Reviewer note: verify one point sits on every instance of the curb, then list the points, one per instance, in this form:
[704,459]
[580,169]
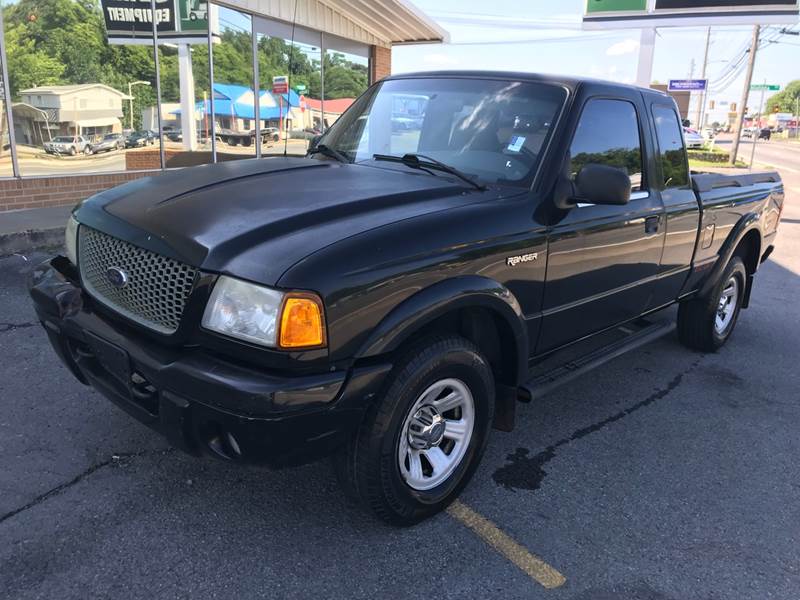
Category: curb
[21,242]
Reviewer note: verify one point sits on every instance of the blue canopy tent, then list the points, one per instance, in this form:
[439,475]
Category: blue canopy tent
[227,103]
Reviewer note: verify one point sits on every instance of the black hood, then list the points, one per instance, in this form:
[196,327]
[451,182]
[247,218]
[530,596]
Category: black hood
[255,218]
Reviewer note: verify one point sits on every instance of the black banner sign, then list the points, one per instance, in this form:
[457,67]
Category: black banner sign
[134,18]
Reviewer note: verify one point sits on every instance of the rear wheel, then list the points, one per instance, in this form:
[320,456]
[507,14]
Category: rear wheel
[706,323]
[421,442]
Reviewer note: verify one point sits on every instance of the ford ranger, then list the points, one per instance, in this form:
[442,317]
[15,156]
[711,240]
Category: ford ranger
[389,298]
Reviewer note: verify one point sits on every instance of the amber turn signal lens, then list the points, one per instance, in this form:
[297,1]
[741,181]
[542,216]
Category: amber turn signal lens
[301,323]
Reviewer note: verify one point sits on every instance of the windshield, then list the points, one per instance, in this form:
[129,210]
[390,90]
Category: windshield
[63,139]
[492,130]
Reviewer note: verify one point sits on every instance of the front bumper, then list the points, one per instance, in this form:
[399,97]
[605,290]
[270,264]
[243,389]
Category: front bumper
[204,404]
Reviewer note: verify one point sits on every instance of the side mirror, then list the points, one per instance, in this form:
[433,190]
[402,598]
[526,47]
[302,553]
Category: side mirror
[314,141]
[602,184]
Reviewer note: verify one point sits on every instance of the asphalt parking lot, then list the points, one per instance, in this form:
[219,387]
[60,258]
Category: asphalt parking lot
[665,475]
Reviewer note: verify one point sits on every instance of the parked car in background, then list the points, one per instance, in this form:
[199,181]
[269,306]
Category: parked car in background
[749,132]
[139,139]
[693,139]
[68,144]
[708,133]
[109,142]
[765,133]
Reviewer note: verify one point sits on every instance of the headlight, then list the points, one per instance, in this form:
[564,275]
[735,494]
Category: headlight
[264,316]
[71,240]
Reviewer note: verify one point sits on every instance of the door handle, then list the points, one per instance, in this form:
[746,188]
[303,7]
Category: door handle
[651,224]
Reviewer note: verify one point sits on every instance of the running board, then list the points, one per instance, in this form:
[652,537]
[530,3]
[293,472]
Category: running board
[542,384]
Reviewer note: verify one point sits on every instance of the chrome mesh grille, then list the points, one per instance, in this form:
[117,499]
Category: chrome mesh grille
[157,287]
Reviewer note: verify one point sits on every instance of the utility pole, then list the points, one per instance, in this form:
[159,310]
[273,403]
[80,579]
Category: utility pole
[701,109]
[745,93]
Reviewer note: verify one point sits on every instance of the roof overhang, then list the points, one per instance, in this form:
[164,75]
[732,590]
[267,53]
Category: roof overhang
[378,22]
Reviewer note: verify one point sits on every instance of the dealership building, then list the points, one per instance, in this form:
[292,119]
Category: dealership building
[204,94]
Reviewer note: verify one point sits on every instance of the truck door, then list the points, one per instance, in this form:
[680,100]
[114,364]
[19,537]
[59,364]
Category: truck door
[682,210]
[602,260]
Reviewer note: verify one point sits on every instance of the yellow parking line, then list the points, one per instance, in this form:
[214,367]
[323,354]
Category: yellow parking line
[533,566]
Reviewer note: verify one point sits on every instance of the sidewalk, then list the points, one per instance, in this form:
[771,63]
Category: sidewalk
[24,230]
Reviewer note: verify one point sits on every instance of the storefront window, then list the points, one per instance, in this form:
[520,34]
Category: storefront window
[187,140]
[287,115]
[83,104]
[346,78]
[72,92]
[6,163]
[234,96]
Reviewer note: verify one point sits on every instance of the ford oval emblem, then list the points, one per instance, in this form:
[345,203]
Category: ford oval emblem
[117,277]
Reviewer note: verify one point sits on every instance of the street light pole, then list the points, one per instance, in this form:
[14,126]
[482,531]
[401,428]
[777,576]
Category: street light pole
[701,109]
[130,97]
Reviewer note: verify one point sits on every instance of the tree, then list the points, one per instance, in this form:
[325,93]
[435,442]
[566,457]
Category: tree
[786,100]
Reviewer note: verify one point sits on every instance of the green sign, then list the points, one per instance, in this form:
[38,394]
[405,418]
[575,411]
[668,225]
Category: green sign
[300,87]
[595,6]
[765,87]
[194,15]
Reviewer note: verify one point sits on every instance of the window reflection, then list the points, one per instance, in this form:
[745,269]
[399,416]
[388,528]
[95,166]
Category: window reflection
[288,116]
[82,105]
[234,94]
[346,78]
[70,90]
[671,147]
[608,134]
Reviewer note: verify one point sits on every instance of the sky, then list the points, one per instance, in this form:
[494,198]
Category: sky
[546,37]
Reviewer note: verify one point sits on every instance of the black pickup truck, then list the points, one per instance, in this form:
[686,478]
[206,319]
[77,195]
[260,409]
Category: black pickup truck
[390,297]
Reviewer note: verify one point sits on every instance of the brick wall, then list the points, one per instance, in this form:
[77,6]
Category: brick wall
[380,63]
[38,192]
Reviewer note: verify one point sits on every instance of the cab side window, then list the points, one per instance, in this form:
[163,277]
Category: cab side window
[608,134]
[672,152]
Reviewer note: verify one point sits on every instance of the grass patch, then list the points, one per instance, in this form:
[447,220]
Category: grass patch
[695,164]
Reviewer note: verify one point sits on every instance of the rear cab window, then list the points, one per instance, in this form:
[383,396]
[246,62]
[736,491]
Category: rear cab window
[671,149]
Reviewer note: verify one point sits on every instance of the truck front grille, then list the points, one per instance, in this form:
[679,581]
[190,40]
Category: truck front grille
[144,286]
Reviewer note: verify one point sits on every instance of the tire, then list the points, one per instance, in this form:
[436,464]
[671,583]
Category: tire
[72,151]
[703,323]
[87,150]
[375,467]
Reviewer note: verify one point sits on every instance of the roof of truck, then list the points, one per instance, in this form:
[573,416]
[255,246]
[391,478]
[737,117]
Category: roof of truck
[569,82]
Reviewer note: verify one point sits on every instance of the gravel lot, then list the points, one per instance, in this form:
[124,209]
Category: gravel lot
[664,475]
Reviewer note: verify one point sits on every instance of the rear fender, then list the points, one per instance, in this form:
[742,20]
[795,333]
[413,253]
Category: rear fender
[424,307]
[748,223]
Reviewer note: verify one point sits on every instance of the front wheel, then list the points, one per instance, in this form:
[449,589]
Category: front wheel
[423,439]
[706,323]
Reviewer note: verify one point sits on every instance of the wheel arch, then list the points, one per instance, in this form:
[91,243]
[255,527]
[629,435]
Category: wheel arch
[478,308]
[744,240]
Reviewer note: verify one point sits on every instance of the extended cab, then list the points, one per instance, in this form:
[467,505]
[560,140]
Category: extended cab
[390,297]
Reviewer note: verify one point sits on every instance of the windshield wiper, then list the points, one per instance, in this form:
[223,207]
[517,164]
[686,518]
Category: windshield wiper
[328,151]
[421,161]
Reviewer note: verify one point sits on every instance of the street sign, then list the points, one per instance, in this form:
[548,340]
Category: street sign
[280,84]
[765,87]
[687,85]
